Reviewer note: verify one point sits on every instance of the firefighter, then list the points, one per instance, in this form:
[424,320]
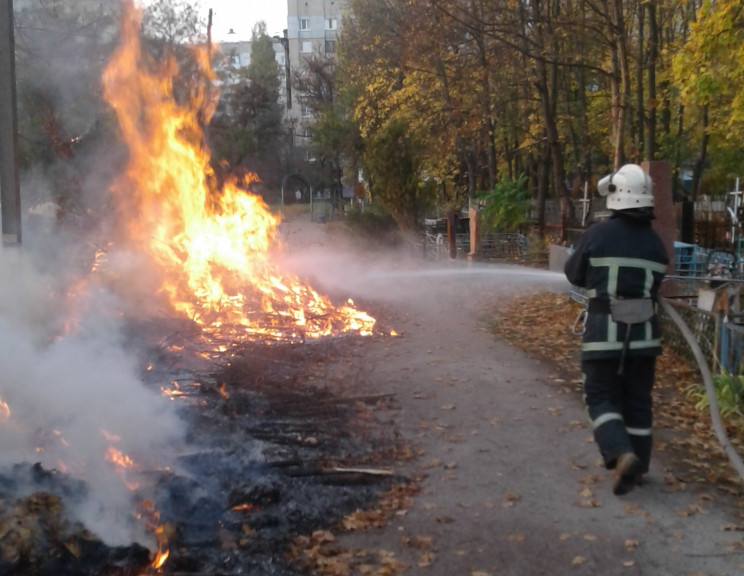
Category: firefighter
[621,262]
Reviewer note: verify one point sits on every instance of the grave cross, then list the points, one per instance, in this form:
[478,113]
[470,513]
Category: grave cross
[737,194]
[585,201]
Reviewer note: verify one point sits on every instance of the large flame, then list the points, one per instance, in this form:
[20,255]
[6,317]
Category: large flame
[212,246]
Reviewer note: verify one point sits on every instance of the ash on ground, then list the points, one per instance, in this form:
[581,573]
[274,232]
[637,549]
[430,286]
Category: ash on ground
[277,447]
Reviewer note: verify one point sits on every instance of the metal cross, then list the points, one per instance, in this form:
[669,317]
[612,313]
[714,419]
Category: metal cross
[585,201]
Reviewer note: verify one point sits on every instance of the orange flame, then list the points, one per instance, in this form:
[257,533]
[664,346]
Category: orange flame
[122,463]
[160,557]
[212,246]
[151,518]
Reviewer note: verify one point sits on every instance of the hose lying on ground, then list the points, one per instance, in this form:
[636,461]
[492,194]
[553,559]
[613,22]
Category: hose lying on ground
[715,415]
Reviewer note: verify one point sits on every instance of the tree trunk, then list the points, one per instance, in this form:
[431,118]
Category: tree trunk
[653,47]
[640,123]
[619,76]
[697,172]
[543,87]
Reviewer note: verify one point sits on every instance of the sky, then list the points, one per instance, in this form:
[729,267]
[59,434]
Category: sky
[242,15]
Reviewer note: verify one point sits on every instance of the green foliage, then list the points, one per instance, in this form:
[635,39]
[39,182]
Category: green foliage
[263,70]
[394,160]
[372,223]
[173,22]
[506,205]
[247,130]
[729,395]
[709,72]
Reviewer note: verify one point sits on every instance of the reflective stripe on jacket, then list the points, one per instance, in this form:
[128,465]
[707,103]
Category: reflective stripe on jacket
[619,258]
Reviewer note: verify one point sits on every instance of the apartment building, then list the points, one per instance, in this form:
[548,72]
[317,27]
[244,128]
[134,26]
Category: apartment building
[312,28]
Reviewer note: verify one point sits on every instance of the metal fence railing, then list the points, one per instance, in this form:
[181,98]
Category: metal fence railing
[721,337]
[497,246]
[504,246]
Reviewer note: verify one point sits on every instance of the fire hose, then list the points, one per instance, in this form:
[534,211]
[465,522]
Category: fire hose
[715,415]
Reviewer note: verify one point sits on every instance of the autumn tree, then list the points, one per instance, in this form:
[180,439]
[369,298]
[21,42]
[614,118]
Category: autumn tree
[562,91]
[172,31]
[709,70]
[394,162]
[334,142]
[60,53]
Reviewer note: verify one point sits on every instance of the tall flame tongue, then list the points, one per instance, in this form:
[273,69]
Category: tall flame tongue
[211,245]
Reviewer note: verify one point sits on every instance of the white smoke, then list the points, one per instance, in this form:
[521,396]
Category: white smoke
[72,396]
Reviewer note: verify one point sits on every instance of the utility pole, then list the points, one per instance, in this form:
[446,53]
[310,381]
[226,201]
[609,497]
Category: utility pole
[284,41]
[10,188]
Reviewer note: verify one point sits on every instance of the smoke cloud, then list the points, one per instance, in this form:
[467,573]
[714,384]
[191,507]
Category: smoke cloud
[70,397]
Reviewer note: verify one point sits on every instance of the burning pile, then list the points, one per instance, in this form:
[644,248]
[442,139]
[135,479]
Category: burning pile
[211,246]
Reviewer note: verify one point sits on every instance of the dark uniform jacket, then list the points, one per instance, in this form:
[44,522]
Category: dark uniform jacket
[619,258]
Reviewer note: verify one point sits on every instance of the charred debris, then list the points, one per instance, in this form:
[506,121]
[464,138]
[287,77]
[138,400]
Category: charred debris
[280,443]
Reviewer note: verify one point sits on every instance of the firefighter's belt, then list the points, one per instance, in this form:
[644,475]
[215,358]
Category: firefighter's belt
[625,310]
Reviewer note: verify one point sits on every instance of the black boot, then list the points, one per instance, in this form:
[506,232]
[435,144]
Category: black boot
[627,468]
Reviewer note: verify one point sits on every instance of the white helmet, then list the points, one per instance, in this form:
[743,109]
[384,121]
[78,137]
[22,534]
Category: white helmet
[629,187]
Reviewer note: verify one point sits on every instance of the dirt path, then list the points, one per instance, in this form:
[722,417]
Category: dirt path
[510,478]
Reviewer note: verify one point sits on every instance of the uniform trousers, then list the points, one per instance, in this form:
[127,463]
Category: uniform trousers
[620,406]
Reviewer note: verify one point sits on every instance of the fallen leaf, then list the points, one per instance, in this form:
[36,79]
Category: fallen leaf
[426,559]
[691,510]
[732,527]
[516,538]
[420,542]
[322,537]
[586,492]
[634,509]
[631,544]
[578,561]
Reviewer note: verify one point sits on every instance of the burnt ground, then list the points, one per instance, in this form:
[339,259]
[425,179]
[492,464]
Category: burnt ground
[277,446]
[486,383]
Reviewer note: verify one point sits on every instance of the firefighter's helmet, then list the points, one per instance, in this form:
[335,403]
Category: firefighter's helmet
[629,187]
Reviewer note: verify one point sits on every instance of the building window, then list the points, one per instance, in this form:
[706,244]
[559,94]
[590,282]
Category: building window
[331,24]
[306,47]
[307,112]
[305,24]
[330,45]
